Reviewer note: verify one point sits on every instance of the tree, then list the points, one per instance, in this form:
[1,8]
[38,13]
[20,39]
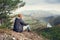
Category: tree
[5,10]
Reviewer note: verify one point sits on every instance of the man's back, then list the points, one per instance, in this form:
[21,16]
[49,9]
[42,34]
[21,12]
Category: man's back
[18,27]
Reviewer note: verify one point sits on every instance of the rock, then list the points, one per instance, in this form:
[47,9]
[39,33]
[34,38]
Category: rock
[11,35]
[5,36]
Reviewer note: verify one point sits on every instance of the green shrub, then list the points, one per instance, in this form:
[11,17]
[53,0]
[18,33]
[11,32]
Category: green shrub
[50,33]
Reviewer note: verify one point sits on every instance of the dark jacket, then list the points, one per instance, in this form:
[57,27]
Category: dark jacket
[18,25]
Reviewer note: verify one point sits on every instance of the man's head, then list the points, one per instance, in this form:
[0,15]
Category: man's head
[20,15]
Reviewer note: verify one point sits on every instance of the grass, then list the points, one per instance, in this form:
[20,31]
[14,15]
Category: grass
[49,33]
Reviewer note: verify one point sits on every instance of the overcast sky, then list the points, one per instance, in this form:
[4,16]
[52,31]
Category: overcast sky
[38,2]
[40,5]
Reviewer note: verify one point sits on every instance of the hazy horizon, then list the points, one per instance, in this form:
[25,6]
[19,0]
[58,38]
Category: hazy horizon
[45,5]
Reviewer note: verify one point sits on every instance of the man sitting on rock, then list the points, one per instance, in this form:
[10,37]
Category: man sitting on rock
[20,25]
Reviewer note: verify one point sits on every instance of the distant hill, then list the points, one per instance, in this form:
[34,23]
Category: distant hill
[56,20]
[40,15]
[36,13]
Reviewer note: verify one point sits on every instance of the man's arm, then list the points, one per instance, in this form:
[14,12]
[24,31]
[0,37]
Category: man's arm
[23,23]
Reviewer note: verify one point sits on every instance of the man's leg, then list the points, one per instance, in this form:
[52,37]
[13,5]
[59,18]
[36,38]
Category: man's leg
[28,28]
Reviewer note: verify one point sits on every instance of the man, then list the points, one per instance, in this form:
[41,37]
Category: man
[19,24]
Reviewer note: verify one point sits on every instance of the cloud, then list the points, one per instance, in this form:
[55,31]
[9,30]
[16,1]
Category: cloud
[39,7]
[34,2]
[53,1]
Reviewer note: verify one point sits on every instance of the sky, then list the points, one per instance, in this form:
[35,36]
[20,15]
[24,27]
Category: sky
[38,2]
[40,5]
